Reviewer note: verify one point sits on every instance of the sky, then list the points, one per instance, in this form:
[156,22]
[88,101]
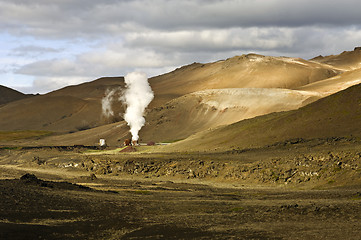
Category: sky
[49,44]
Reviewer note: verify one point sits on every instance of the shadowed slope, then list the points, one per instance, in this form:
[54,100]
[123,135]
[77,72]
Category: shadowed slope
[9,95]
[61,114]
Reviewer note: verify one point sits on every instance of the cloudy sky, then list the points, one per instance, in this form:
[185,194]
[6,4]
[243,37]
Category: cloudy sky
[48,44]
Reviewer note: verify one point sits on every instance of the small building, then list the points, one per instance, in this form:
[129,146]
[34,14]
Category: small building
[102,143]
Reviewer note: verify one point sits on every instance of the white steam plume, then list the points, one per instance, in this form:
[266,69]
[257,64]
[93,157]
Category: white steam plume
[137,95]
[107,103]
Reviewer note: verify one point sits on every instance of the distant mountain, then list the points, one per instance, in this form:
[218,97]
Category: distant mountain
[338,115]
[9,95]
[58,113]
[69,109]
[347,60]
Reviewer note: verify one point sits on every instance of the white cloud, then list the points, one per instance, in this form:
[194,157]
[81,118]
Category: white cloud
[112,61]
[213,39]
[32,50]
[46,84]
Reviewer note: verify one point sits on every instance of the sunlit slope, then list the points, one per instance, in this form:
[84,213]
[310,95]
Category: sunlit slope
[201,110]
[334,84]
[347,60]
[334,116]
[246,71]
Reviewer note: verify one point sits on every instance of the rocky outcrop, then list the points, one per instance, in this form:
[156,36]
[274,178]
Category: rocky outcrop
[323,168]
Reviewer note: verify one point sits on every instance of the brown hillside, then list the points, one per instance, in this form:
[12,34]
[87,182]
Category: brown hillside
[113,133]
[93,90]
[238,72]
[69,109]
[62,114]
[335,84]
[246,71]
[334,116]
[194,112]
[9,95]
[348,60]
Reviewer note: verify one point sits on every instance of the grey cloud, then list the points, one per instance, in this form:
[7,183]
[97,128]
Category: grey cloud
[32,50]
[213,40]
[151,51]
[52,67]
[87,18]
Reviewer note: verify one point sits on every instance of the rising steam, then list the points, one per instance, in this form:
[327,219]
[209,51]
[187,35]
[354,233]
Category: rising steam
[137,95]
[107,103]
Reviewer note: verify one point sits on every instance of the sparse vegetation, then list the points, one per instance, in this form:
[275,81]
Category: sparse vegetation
[237,209]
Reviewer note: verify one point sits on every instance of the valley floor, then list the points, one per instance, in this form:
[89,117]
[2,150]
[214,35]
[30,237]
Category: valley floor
[294,190]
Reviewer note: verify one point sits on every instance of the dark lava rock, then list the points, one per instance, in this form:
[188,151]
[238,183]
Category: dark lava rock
[28,177]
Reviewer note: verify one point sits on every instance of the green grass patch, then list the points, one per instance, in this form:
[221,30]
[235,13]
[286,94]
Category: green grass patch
[26,134]
[237,209]
[140,192]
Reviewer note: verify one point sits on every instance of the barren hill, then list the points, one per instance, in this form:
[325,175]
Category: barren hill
[334,84]
[347,60]
[338,115]
[198,111]
[70,109]
[93,90]
[62,114]
[246,71]
[9,95]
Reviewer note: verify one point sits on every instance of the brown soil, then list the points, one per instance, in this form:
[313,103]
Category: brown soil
[291,190]
[128,149]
